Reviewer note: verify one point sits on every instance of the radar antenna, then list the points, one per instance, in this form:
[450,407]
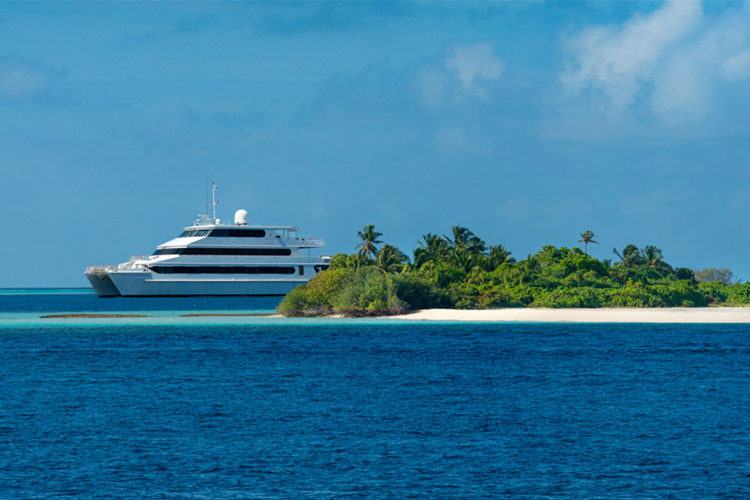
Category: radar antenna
[214,203]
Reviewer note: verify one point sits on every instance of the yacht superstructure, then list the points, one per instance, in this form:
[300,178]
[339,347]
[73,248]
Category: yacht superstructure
[211,258]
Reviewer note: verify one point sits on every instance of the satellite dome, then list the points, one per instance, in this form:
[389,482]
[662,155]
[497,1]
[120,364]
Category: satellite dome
[240,218]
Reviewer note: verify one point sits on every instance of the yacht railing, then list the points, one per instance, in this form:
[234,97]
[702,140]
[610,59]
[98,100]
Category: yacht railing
[100,269]
[131,263]
[312,242]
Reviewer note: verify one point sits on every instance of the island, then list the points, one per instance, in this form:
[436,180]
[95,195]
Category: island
[460,271]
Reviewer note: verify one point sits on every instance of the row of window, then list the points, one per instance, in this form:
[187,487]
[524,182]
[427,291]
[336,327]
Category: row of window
[231,233]
[201,232]
[222,251]
[221,270]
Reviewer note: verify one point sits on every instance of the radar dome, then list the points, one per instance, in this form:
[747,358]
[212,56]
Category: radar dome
[240,218]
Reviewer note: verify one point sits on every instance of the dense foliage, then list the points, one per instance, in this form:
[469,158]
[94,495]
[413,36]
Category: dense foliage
[461,271]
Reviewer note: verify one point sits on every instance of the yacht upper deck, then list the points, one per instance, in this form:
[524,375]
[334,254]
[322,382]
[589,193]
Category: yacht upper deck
[245,236]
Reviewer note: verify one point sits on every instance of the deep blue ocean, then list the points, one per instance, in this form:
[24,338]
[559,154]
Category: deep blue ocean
[176,407]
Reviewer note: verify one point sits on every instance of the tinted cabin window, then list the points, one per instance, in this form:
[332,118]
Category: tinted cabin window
[239,233]
[231,233]
[194,233]
[222,270]
[222,251]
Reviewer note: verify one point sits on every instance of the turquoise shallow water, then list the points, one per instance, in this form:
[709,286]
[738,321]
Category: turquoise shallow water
[279,409]
[78,300]
[27,308]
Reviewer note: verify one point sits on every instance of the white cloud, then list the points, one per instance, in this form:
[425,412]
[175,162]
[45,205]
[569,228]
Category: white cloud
[737,67]
[463,71]
[616,61]
[670,64]
[22,78]
[680,91]
[474,64]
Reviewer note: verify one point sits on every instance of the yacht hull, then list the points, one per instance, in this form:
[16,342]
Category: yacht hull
[139,284]
[103,285]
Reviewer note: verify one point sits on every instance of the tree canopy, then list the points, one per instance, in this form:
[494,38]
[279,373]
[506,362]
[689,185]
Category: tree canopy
[460,270]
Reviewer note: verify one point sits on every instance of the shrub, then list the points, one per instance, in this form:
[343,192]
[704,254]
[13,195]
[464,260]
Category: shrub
[738,294]
[442,274]
[418,292]
[315,297]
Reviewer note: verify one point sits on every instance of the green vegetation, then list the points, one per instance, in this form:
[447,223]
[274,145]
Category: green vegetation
[460,270]
[722,275]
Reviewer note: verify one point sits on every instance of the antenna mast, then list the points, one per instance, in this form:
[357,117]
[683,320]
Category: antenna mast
[214,203]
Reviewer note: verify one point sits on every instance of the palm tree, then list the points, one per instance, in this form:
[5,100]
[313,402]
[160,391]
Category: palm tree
[653,258]
[432,248]
[532,264]
[498,255]
[369,236]
[390,259]
[586,238]
[464,238]
[630,256]
[463,258]
[465,247]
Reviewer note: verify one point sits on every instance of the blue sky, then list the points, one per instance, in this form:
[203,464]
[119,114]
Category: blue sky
[528,122]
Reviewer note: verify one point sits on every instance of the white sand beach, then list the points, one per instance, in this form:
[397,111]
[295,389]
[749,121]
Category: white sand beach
[604,315]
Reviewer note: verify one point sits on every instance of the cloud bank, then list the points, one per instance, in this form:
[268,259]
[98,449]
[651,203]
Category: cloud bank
[669,63]
[618,60]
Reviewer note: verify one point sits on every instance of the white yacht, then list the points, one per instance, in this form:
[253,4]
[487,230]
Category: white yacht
[211,258]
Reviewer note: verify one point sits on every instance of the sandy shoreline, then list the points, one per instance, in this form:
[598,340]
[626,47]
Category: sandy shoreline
[736,315]
[604,315]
